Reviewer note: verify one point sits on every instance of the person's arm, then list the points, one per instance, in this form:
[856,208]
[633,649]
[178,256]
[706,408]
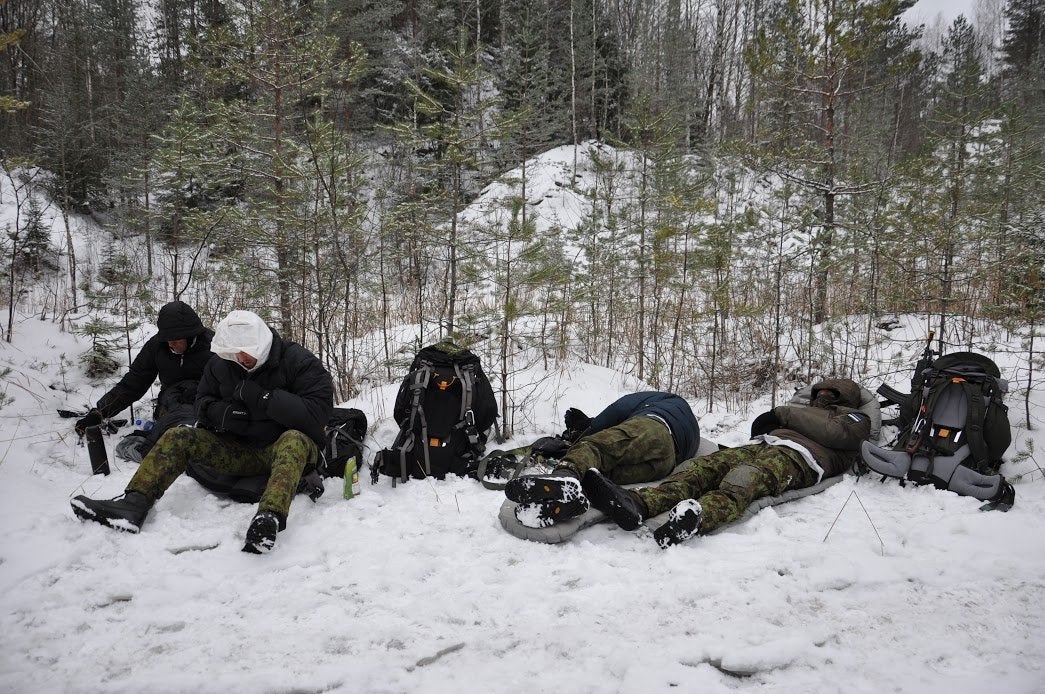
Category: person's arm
[837,427]
[305,404]
[135,382]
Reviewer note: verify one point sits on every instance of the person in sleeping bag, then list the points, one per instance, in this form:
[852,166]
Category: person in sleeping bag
[640,437]
[261,408]
[792,447]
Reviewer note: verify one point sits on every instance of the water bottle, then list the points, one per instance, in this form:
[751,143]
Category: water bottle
[144,425]
[96,450]
[352,487]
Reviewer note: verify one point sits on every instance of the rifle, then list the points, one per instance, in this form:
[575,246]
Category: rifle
[895,397]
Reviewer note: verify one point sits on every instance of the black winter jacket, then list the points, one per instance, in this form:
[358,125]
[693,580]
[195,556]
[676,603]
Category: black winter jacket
[669,407]
[176,320]
[302,394]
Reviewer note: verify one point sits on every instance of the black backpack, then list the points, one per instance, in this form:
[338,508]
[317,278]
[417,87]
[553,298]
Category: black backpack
[345,432]
[955,401]
[444,408]
[954,429]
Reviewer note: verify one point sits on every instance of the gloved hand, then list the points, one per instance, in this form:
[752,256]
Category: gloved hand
[765,423]
[252,395]
[228,416]
[576,420]
[92,419]
[550,447]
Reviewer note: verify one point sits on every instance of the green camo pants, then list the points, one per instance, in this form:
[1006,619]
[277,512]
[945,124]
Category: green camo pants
[283,461]
[727,481]
[639,449]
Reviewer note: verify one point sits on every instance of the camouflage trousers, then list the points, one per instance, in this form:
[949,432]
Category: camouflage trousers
[727,481]
[283,461]
[639,449]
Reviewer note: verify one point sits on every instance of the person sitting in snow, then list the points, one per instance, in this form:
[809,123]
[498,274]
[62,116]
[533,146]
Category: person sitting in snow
[792,447]
[638,438]
[261,408]
[176,354]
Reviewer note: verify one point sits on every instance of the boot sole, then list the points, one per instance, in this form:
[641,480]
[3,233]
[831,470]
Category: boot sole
[683,523]
[541,514]
[259,541]
[533,488]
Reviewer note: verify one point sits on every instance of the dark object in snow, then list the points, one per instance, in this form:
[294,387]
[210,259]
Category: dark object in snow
[261,534]
[955,429]
[96,450]
[126,512]
[445,407]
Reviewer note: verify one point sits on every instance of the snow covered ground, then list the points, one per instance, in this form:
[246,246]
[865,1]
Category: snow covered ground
[418,588]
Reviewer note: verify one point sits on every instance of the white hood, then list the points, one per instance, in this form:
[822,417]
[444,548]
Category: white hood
[242,331]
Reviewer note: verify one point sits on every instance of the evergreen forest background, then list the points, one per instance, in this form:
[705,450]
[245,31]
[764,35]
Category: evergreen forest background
[766,183]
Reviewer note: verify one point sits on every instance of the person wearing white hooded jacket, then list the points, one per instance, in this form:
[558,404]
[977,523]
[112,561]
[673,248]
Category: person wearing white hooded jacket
[261,408]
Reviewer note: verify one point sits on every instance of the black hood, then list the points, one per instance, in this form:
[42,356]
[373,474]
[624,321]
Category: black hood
[848,391]
[176,321]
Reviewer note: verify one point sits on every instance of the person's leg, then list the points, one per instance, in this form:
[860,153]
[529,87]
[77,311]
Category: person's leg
[158,470]
[771,472]
[700,476]
[628,508]
[171,455]
[289,455]
[637,450]
[760,471]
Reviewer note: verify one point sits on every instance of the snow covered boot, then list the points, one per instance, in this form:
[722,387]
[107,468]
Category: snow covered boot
[126,512]
[546,499]
[623,506]
[683,523]
[261,535]
[561,485]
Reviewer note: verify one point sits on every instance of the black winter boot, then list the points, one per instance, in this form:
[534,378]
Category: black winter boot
[683,523]
[561,485]
[126,512]
[547,499]
[623,506]
[261,535]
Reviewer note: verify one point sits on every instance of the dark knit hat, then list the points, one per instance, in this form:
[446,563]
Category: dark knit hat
[178,321]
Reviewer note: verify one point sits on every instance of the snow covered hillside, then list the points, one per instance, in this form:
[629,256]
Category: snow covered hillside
[418,588]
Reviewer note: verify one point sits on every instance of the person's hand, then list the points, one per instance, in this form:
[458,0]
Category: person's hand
[765,423]
[228,416]
[576,420]
[252,395]
[92,419]
[550,447]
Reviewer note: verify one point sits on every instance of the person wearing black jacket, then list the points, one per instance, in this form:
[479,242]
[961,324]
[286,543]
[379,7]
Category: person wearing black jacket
[176,354]
[262,406]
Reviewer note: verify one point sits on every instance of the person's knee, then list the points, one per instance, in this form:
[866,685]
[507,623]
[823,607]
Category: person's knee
[300,444]
[741,479]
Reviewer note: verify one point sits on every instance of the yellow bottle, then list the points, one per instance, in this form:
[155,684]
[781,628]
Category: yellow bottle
[352,487]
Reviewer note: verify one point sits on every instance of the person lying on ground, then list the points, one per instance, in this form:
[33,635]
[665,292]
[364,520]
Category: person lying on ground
[640,437]
[792,447]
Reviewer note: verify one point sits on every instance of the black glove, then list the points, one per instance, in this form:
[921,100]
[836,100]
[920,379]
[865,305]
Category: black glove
[252,395]
[92,419]
[765,423]
[550,447]
[227,416]
[576,420]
